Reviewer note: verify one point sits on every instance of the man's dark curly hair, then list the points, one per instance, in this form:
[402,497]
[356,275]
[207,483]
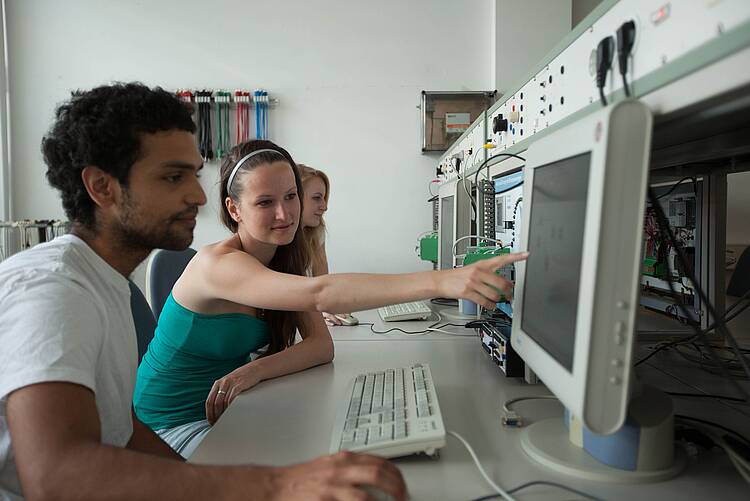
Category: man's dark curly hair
[103,127]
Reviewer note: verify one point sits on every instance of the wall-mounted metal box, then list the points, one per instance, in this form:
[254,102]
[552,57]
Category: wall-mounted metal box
[446,115]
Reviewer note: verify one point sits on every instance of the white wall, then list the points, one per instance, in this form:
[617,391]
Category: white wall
[524,31]
[348,75]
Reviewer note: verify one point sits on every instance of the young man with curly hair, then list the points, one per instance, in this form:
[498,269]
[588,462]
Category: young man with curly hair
[125,161]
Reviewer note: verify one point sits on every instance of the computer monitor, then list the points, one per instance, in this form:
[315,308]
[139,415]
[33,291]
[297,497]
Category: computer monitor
[576,295]
[454,220]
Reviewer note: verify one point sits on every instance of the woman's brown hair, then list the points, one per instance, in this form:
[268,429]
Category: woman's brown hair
[293,258]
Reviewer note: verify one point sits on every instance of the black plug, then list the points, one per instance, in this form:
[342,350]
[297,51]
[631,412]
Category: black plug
[604,55]
[625,41]
[499,124]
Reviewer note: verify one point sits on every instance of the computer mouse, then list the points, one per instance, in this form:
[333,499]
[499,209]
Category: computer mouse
[347,319]
[376,494]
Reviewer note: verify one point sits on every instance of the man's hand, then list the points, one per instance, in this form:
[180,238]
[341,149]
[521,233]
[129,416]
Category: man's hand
[337,478]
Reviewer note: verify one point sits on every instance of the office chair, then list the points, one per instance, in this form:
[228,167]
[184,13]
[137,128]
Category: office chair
[142,318]
[163,269]
[740,282]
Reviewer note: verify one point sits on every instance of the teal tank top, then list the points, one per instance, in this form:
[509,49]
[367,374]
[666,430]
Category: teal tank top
[189,352]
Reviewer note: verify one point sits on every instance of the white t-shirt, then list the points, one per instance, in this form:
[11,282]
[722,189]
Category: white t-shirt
[65,316]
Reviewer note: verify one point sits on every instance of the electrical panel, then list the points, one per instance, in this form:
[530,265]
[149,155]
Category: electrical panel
[466,153]
[682,205]
[447,115]
[656,33]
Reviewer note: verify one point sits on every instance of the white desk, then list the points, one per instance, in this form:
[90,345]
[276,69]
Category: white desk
[290,419]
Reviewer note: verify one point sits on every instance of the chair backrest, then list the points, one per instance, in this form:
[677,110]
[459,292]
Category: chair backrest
[163,269]
[143,319]
[740,282]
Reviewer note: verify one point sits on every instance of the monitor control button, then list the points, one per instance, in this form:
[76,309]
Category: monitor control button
[616,362]
[615,380]
[622,305]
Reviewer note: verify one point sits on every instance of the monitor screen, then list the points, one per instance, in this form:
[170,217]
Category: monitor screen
[446,233]
[555,244]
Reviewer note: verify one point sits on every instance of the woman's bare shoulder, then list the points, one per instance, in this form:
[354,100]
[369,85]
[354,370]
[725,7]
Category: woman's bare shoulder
[217,250]
[201,270]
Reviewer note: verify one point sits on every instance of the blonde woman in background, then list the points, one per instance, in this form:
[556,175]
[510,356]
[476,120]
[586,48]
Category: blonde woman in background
[317,189]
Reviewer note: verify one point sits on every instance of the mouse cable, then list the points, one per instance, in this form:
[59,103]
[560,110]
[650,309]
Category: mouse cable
[507,494]
[541,482]
[502,493]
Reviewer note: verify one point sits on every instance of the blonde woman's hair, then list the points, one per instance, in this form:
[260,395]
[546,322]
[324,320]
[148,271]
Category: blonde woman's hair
[315,236]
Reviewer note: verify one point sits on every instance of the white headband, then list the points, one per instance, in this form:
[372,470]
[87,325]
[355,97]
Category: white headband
[242,161]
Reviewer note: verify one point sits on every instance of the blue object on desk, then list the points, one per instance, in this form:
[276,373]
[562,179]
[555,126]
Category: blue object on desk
[467,307]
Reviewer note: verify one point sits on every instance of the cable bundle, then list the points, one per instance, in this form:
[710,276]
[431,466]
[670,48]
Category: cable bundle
[243,100]
[242,115]
[185,95]
[205,135]
[223,143]
[260,98]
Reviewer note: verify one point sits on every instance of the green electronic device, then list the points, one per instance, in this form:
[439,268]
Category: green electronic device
[474,254]
[428,248]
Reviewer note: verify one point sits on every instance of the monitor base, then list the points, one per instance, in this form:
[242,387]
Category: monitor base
[547,443]
[453,313]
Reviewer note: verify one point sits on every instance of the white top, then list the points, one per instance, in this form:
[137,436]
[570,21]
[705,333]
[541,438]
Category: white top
[65,316]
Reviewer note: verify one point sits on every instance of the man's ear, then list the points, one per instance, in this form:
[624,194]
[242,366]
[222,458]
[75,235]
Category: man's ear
[101,186]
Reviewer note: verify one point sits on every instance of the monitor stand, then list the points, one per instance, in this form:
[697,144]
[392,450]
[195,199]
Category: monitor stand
[455,314]
[644,446]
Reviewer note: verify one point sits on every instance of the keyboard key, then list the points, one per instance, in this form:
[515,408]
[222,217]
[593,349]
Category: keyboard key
[345,446]
[364,421]
[399,430]
[386,431]
[373,434]
[360,437]
[350,425]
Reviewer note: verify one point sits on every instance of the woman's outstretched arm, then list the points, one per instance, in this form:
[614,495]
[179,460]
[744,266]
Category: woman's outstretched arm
[240,278]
